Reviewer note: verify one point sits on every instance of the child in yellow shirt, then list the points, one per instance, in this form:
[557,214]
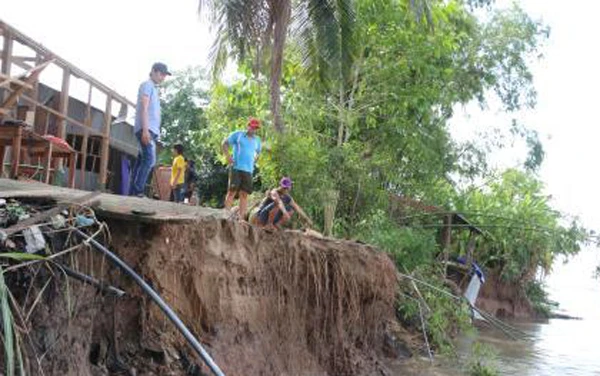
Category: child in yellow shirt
[178,173]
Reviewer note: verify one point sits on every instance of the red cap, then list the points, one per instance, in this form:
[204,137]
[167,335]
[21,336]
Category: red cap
[254,123]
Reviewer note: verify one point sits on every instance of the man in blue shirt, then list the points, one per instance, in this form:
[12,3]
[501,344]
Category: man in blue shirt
[246,149]
[147,127]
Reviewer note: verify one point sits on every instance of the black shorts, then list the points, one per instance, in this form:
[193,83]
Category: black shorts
[240,180]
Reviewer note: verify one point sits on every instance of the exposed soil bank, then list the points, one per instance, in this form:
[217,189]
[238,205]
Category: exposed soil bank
[504,300]
[262,304]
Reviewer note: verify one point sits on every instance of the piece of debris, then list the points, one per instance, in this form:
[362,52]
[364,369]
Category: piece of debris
[9,244]
[2,202]
[34,239]
[58,222]
[142,212]
[313,233]
[83,221]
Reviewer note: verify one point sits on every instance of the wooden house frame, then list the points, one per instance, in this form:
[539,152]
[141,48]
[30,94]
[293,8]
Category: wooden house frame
[96,134]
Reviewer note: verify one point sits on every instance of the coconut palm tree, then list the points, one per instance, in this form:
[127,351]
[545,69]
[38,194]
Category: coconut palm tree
[325,28]
[260,27]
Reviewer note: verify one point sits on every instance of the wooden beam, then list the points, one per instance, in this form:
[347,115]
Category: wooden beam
[471,248]
[24,58]
[33,76]
[84,147]
[72,161]
[446,239]
[52,111]
[23,61]
[36,88]
[104,148]
[88,110]
[16,153]
[7,53]
[47,163]
[7,80]
[63,106]
[6,58]
[40,49]
[2,151]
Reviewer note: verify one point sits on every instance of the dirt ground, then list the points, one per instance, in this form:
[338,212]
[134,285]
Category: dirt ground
[261,303]
[504,300]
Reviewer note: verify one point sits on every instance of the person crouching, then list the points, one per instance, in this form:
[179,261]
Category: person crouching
[278,207]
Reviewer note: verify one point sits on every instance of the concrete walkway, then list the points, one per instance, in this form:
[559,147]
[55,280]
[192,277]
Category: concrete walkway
[112,205]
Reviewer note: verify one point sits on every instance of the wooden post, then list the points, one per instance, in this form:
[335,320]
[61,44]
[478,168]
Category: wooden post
[88,109]
[7,52]
[16,153]
[84,147]
[2,151]
[447,239]
[470,248]
[35,92]
[64,104]
[72,159]
[104,148]
[84,143]
[48,163]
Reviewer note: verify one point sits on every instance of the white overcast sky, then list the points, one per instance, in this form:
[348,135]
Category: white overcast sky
[116,42]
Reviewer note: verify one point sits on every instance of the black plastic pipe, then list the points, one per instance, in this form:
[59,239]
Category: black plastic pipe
[92,281]
[158,300]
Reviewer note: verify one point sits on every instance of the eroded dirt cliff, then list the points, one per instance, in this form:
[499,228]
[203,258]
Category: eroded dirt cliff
[262,303]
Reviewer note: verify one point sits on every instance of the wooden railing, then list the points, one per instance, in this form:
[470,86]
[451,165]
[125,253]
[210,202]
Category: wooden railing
[24,87]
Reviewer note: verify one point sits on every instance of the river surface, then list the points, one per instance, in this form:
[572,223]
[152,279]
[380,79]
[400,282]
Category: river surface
[559,347]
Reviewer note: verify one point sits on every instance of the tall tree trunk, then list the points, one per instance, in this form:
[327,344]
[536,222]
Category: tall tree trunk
[341,114]
[281,11]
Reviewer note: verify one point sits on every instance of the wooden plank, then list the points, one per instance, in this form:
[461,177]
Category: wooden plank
[35,90]
[16,152]
[47,163]
[72,160]
[447,239]
[58,114]
[23,61]
[88,109]
[33,76]
[104,148]
[471,247]
[38,68]
[84,148]
[13,80]
[2,151]
[7,53]
[6,59]
[63,106]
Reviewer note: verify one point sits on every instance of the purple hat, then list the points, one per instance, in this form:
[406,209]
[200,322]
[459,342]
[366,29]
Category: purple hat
[285,182]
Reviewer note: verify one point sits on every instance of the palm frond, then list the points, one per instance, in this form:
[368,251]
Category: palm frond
[421,9]
[241,25]
[324,30]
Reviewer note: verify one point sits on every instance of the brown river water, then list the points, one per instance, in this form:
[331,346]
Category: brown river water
[559,347]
